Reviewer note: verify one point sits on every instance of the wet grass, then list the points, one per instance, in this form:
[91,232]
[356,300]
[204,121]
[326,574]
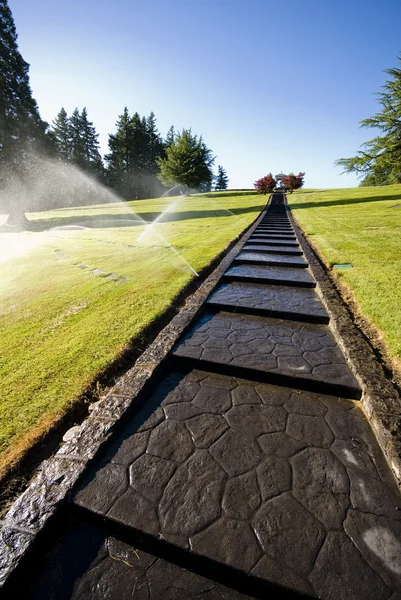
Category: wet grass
[73,300]
[361,226]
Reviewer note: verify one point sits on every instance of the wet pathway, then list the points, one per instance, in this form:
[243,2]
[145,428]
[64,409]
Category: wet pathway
[252,457]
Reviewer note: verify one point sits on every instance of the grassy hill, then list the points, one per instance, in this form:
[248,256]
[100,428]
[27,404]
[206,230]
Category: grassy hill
[81,286]
[362,227]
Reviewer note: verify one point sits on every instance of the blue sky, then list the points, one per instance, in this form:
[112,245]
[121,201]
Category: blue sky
[271,85]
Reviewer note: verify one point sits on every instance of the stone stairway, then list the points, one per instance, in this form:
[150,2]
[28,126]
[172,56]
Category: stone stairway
[251,470]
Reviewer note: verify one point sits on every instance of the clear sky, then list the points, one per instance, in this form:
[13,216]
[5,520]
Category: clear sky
[271,85]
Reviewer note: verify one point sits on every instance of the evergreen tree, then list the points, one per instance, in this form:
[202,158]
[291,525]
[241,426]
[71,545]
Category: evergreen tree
[221,179]
[60,133]
[155,146]
[170,138]
[92,159]
[76,143]
[188,162]
[77,139]
[118,159]
[21,129]
[135,149]
[83,143]
[154,150]
[138,152]
[380,160]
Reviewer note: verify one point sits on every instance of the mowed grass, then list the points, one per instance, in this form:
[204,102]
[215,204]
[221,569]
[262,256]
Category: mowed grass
[360,226]
[72,300]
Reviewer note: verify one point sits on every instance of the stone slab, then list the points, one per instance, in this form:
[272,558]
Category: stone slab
[270,274]
[270,229]
[281,249]
[275,217]
[277,235]
[261,239]
[273,347]
[274,224]
[276,260]
[295,302]
[88,564]
[261,488]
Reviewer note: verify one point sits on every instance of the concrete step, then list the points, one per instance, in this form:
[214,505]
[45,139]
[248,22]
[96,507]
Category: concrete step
[275,231]
[261,239]
[303,355]
[275,228]
[298,304]
[251,246]
[275,236]
[279,260]
[269,274]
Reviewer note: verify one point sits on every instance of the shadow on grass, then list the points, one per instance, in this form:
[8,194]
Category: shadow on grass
[107,220]
[344,201]
[228,193]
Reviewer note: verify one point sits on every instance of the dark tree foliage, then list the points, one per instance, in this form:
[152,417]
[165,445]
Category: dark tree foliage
[21,129]
[132,163]
[20,122]
[188,162]
[292,182]
[84,145]
[379,161]
[265,185]
[75,142]
[60,133]
[170,138]
[221,179]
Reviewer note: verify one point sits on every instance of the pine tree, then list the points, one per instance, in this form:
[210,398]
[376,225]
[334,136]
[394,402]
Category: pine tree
[154,150]
[60,133]
[188,162]
[155,146]
[77,139]
[21,129]
[221,179]
[20,122]
[132,163]
[380,160]
[92,159]
[118,159]
[170,138]
[83,143]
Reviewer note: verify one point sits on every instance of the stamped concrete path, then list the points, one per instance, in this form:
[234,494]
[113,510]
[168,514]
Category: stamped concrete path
[252,456]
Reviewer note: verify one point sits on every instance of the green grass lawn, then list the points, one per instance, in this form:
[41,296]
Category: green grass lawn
[73,299]
[361,226]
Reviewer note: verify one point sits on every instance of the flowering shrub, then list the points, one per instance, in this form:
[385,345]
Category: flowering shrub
[265,185]
[292,182]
